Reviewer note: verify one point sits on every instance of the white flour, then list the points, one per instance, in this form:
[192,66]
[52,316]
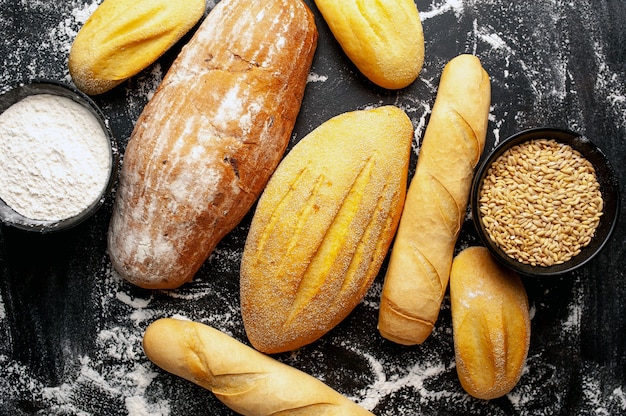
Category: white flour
[54,157]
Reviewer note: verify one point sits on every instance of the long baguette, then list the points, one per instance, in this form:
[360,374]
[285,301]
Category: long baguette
[245,380]
[419,267]
[210,138]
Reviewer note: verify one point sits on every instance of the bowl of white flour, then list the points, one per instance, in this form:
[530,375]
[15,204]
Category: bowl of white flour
[58,157]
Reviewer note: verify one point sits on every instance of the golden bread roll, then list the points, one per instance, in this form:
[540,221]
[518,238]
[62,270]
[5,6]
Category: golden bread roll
[123,37]
[208,141]
[490,323]
[384,39]
[323,226]
[419,267]
[245,380]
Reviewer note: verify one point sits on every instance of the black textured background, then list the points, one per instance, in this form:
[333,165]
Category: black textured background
[70,329]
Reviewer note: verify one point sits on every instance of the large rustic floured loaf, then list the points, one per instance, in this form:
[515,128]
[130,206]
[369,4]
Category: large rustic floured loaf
[208,141]
[323,227]
[419,266]
[247,381]
[123,37]
[490,324]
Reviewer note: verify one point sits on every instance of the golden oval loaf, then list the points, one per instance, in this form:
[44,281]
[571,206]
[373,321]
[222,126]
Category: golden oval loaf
[490,323]
[323,226]
[208,141]
[419,266]
[248,382]
[384,39]
[123,37]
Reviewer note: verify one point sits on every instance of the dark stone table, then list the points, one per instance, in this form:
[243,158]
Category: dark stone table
[71,329]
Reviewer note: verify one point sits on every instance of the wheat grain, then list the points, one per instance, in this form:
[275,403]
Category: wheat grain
[540,202]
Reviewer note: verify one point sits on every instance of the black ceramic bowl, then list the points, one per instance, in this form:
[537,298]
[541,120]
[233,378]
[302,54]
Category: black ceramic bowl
[15,94]
[608,187]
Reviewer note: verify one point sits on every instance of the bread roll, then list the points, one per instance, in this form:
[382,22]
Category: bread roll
[384,39]
[419,267]
[490,323]
[323,226]
[245,380]
[122,37]
[208,141]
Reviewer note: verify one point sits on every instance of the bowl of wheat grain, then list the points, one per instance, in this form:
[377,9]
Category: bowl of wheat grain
[545,201]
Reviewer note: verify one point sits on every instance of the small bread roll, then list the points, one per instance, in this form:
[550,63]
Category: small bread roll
[490,322]
[384,39]
[123,37]
[323,227]
[245,380]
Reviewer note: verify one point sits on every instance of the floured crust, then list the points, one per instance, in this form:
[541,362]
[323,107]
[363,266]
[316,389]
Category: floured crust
[490,322]
[207,142]
[323,226]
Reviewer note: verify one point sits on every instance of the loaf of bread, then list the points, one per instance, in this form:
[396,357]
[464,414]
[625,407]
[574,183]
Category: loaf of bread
[123,37]
[323,226]
[245,380]
[210,138]
[490,323]
[436,203]
[384,39]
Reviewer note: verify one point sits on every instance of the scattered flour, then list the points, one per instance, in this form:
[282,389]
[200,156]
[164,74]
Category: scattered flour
[313,77]
[571,326]
[119,375]
[439,8]
[416,378]
[136,303]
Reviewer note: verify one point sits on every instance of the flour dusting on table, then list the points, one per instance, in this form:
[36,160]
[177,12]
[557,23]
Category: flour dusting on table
[530,52]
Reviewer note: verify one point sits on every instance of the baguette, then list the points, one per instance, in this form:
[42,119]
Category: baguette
[123,37]
[420,261]
[208,141]
[384,39]
[323,226]
[490,324]
[245,380]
